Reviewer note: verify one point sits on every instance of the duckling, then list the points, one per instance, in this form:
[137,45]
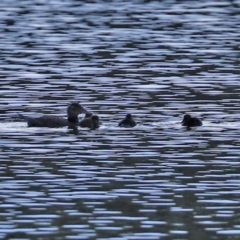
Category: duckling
[91,122]
[127,122]
[190,121]
[73,110]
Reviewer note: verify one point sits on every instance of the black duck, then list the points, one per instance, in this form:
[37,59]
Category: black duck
[73,110]
[190,121]
[91,122]
[127,122]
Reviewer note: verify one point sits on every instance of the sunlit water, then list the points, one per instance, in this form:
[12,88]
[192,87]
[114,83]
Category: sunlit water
[156,60]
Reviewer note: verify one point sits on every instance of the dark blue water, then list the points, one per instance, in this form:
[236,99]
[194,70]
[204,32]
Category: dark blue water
[156,60]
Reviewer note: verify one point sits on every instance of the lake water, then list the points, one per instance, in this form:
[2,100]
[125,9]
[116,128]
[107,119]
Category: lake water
[156,60]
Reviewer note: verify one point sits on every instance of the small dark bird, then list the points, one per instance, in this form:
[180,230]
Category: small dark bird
[190,121]
[91,122]
[127,122]
[73,110]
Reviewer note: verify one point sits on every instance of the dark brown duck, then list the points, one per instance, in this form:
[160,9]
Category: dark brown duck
[127,122]
[91,122]
[190,121]
[73,110]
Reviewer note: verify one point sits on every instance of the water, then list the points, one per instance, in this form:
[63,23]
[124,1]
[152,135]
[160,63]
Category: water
[156,60]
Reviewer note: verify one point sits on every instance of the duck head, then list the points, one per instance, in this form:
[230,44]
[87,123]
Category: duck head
[74,109]
[128,116]
[186,118]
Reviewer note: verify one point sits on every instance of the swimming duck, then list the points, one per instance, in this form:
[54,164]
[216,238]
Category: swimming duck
[127,122]
[73,110]
[190,121]
[91,122]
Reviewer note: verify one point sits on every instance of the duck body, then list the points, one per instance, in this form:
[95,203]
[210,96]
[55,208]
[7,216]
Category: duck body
[127,122]
[91,122]
[46,121]
[51,121]
[190,121]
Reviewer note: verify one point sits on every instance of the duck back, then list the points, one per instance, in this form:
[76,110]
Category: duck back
[46,121]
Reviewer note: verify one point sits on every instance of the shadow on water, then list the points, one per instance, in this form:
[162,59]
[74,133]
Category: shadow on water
[155,60]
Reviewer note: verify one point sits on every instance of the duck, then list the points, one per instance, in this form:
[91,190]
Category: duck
[190,121]
[90,121]
[127,122]
[51,121]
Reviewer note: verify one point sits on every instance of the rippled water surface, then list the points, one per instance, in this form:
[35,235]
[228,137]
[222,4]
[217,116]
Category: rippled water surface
[156,60]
